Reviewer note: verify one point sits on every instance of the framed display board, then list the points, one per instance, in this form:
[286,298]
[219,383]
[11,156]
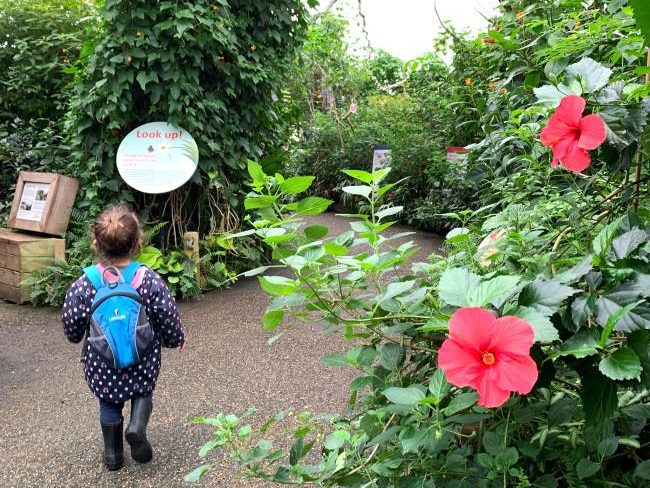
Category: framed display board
[380,157]
[43,202]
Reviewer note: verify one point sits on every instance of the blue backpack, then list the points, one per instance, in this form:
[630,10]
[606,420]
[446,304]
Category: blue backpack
[119,333]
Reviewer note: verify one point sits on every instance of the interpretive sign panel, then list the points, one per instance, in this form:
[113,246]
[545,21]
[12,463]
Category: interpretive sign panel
[157,157]
[380,157]
[43,202]
[32,201]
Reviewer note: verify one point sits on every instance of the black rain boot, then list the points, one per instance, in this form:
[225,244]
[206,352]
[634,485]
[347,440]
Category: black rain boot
[136,432]
[113,445]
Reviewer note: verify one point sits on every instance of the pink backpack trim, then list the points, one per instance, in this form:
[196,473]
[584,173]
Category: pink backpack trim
[136,282]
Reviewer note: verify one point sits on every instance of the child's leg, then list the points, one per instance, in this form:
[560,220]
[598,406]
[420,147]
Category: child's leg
[136,432]
[110,413]
[111,420]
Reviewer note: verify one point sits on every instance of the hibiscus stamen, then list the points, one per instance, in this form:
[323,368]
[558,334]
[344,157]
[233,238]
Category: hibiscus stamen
[488,358]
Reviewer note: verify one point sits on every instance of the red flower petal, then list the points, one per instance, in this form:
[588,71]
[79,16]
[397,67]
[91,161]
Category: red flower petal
[512,337]
[518,374]
[570,110]
[576,160]
[563,147]
[555,131]
[489,392]
[461,366]
[592,132]
[473,327]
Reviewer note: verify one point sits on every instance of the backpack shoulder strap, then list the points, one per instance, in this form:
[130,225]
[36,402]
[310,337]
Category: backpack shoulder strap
[129,272]
[94,276]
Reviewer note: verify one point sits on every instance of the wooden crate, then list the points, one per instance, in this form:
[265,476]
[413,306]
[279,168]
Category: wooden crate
[48,212]
[20,255]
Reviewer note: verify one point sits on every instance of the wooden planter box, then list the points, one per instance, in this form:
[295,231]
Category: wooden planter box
[43,202]
[20,255]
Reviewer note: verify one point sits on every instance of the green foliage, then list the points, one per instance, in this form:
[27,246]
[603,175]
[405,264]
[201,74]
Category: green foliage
[642,15]
[209,67]
[568,254]
[41,41]
[49,285]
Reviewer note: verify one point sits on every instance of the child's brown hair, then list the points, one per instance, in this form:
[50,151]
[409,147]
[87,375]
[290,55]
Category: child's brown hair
[117,233]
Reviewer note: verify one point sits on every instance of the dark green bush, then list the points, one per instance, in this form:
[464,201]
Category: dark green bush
[40,41]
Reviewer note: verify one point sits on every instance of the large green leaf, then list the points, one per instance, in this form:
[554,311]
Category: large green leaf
[439,386]
[621,296]
[313,205]
[460,287]
[361,190]
[363,176]
[296,184]
[639,341]
[150,256]
[544,330]
[395,289]
[623,364]
[614,318]
[315,232]
[603,240]
[546,296]
[461,402]
[592,75]
[256,172]
[489,291]
[272,319]
[404,396]
[198,473]
[392,356]
[627,243]
[412,439]
[642,16]
[259,201]
[456,285]
[643,470]
[599,398]
[586,468]
[277,285]
[581,345]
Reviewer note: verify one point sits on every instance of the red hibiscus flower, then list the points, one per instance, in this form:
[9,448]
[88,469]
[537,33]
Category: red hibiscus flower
[570,134]
[491,355]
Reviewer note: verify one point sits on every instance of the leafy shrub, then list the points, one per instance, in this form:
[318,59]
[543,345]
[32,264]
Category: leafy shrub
[41,41]
[209,67]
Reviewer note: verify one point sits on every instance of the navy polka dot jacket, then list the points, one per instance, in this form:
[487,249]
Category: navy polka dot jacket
[118,385]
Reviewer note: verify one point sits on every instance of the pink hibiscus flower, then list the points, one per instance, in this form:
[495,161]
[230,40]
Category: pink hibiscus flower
[491,355]
[570,135]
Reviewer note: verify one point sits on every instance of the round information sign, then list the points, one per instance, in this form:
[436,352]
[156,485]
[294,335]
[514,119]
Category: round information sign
[157,157]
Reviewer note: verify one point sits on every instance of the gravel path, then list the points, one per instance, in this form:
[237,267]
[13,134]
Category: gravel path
[50,434]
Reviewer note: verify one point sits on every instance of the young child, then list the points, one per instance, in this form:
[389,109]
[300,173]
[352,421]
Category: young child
[117,237]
